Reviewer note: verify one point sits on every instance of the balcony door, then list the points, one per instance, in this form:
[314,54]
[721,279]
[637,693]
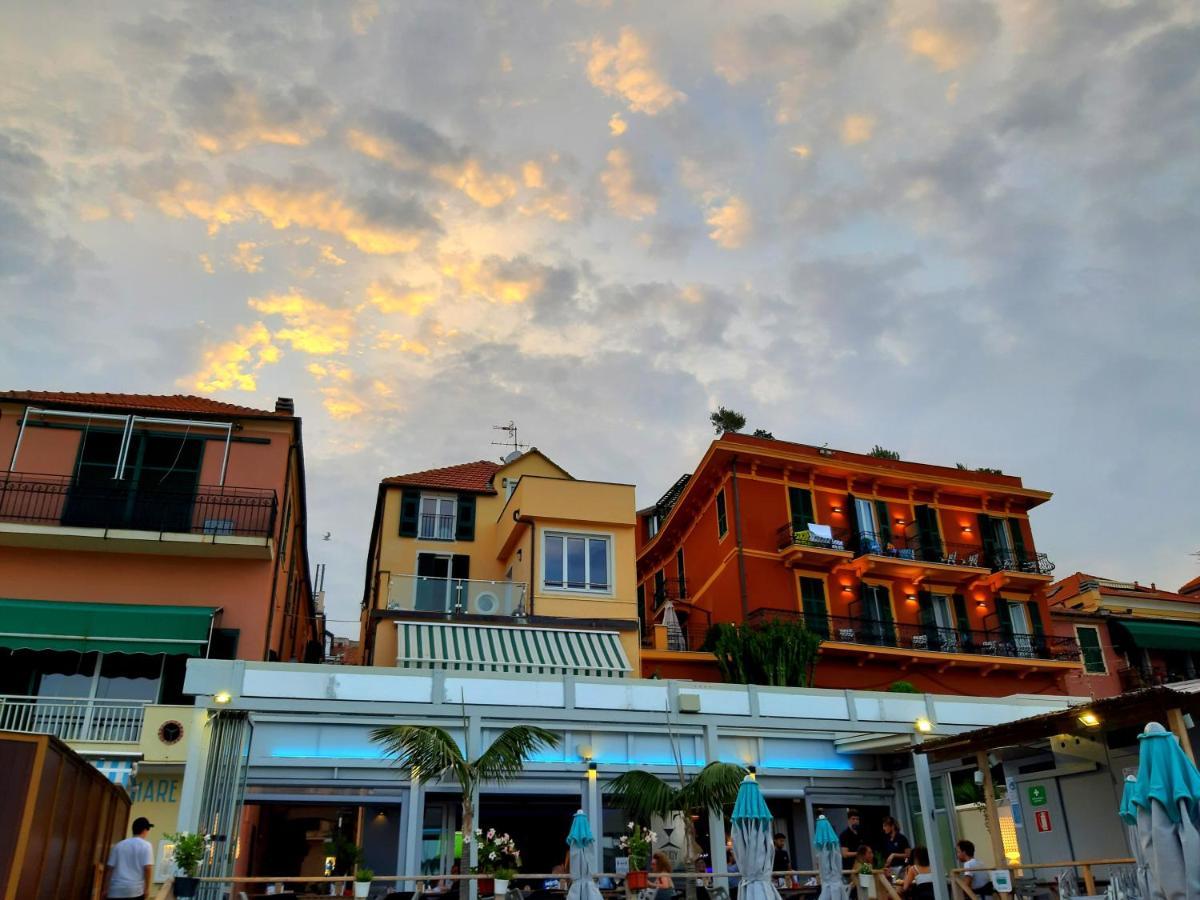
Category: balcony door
[441,582]
[1022,630]
[877,623]
[868,528]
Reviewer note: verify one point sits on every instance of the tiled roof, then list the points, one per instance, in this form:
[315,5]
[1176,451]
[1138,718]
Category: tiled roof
[473,476]
[1192,587]
[159,403]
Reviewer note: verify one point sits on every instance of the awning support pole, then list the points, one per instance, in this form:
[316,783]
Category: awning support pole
[1179,729]
[12,464]
[925,795]
[993,814]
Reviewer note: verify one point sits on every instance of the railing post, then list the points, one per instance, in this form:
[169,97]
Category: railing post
[1089,882]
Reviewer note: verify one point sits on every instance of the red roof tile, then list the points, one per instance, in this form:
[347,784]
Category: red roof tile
[159,403]
[473,476]
[1192,587]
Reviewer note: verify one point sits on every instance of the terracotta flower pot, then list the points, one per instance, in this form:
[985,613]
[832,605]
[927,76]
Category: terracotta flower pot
[637,881]
[487,886]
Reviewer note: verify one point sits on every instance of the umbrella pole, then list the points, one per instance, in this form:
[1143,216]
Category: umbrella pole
[1179,729]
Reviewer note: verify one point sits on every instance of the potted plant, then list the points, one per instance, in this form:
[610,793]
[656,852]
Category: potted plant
[637,845]
[188,850]
[362,882]
[866,880]
[499,858]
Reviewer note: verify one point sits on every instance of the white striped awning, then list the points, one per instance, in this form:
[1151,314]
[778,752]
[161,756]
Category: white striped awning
[118,771]
[509,648]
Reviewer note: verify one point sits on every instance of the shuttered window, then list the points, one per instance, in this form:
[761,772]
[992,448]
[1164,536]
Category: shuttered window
[722,516]
[801,505]
[1093,653]
[812,599]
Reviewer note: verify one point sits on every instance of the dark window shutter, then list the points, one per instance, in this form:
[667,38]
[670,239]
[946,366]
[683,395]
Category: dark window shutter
[641,601]
[988,538]
[660,587]
[722,515]
[928,533]
[410,512]
[887,624]
[801,505]
[812,598]
[925,603]
[464,528]
[960,615]
[1039,631]
[1004,622]
[426,565]
[852,522]
[884,523]
[680,575]
[1018,541]
[460,566]
[1093,653]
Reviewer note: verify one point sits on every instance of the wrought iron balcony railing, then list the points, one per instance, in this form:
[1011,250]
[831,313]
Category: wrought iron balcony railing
[70,719]
[455,596]
[207,509]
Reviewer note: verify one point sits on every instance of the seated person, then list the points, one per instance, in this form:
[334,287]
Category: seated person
[976,877]
[918,880]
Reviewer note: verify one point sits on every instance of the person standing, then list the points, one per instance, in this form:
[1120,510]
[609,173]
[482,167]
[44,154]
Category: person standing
[850,839]
[895,845]
[130,870]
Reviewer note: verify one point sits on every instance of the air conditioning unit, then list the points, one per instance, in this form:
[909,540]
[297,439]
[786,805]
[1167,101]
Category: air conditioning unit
[487,604]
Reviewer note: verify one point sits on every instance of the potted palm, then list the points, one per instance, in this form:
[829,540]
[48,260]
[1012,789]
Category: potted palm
[498,857]
[637,845]
[362,882]
[188,850]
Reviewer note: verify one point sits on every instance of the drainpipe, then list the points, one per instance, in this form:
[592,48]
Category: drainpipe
[737,533]
[285,501]
[526,520]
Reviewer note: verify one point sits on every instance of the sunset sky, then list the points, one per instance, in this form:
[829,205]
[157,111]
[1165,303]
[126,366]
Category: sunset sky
[967,232]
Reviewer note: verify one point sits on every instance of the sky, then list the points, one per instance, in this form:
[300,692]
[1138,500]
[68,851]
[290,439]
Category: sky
[966,232]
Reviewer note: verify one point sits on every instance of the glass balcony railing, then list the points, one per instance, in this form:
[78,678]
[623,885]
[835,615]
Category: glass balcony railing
[455,596]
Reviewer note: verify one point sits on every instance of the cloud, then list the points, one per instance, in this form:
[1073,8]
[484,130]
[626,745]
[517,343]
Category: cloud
[228,112]
[312,327]
[389,297]
[495,279]
[624,70]
[245,257]
[730,223]
[231,365]
[939,47]
[857,129]
[630,194]
[616,125]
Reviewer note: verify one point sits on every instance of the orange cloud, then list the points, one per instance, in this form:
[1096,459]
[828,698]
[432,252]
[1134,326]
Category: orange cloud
[231,365]
[616,125]
[624,70]
[730,223]
[494,279]
[246,259]
[390,297]
[857,129]
[312,327]
[943,49]
[625,196]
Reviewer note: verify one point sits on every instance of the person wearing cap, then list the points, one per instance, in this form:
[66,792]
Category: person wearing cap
[130,870]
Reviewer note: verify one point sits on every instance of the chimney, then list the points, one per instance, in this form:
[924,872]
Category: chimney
[285,405]
[1153,586]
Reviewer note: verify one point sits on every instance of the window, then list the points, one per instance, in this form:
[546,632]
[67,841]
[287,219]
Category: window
[509,485]
[812,598]
[576,562]
[1093,654]
[437,518]
[682,578]
[722,516]
[660,587]
[651,525]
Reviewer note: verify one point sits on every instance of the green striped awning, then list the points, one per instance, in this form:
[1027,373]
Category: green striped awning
[104,627]
[1159,634]
[514,649]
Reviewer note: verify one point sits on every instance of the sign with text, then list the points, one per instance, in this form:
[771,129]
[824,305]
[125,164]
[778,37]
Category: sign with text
[1042,817]
[1037,795]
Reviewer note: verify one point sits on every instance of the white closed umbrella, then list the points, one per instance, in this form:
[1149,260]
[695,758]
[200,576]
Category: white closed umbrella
[1133,885]
[579,841]
[670,618]
[1165,799]
[829,862]
[753,847]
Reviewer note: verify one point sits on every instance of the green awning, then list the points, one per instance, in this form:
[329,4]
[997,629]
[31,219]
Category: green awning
[104,627]
[505,648]
[1159,635]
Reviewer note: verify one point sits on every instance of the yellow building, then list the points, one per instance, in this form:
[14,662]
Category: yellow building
[509,567]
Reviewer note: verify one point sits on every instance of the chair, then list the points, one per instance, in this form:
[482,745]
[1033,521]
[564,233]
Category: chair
[973,560]
[847,635]
[920,642]
[952,558]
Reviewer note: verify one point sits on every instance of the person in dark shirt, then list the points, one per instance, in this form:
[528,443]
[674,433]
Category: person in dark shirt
[850,839]
[895,845]
[783,862]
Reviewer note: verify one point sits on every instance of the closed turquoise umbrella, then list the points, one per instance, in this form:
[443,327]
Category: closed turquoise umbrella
[829,862]
[1164,803]
[753,847]
[580,840]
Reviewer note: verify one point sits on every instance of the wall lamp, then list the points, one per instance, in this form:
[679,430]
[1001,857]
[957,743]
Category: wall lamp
[966,529]
[1089,719]
[836,509]
[912,598]
[923,725]
[222,697]
[592,771]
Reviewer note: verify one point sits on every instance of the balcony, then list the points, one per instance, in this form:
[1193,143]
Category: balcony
[58,511]
[945,647]
[819,546]
[74,720]
[455,596]
[687,632]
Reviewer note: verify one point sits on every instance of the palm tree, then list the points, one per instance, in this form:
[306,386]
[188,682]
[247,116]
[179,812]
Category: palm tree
[431,753]
[644,795]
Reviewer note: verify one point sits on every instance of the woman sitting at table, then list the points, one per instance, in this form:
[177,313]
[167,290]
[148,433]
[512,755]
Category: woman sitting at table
[662,882]
[918,880]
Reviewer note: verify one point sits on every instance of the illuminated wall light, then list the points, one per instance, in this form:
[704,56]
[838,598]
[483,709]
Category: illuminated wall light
[923,725]
[912,598]
[222,697]
[593,771]
[836,509]
[966,529]
[1089,719]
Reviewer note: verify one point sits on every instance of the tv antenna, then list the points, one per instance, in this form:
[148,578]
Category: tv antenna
[511,443]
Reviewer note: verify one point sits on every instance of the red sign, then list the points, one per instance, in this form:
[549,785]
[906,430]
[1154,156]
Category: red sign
[1042,817]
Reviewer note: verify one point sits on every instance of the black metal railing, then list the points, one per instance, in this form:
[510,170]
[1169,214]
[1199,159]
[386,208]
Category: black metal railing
[929,638]
[898,546]
[694,625]
[207,509]
[437,528]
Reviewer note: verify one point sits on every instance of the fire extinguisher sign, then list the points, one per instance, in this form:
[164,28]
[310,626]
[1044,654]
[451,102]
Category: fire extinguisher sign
[1042,817]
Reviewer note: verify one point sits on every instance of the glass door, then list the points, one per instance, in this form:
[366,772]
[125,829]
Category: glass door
[1018,618]
[868,528]
[943,818]
[943,620]
[877,616]
[432,590]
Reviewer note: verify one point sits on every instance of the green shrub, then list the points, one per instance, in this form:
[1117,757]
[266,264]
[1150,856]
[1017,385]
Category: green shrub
[778,652]
[903,687]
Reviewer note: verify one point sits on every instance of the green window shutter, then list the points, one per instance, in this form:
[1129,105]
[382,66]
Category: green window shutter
[852,522]
[960,615]
[660,587]
[464,527]
[801,505]
[1004,623]
[884,522]
[722,516]
[1093,653]
[925,604]
[1018,540]
[988,538]
[410,512]
[680,574]
[812,598]
[1039,632]
[887,624]
[928,533]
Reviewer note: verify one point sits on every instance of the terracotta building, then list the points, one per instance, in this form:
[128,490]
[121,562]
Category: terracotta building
[908,572]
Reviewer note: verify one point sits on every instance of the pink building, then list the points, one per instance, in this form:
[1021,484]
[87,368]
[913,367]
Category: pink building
[137,531]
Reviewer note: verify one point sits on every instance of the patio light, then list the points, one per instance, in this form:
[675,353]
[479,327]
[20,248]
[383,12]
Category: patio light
[592,771]
[923,725]
[222,697]
[1089,719]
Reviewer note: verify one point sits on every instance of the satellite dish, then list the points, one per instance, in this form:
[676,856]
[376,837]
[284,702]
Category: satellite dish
[516,454]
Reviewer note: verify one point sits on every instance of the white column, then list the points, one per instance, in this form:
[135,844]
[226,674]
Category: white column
[716,849]
[193,772]
[414,817]
[473,853]
[925,794]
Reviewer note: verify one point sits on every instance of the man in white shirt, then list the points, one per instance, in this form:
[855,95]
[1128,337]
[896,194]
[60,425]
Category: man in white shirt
[131,865]
[976,877]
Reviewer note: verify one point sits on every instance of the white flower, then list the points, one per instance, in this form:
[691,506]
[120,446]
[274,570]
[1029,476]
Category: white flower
[632,825]
[492,855]
[466,839]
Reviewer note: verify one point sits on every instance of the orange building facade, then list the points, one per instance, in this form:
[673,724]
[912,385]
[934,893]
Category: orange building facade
[908,572]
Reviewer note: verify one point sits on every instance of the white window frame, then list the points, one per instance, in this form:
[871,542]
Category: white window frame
[1099,646]
[452,499]
[509,485]
[652,525]
[587,562]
